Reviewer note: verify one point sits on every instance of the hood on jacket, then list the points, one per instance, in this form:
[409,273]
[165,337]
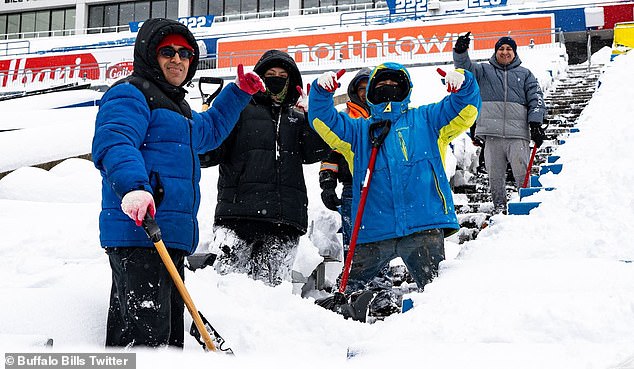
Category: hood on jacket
[277,58]
[386,109]
[352,87]
[145,63]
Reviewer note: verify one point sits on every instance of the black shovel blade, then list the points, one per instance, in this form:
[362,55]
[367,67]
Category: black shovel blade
[217,339]
[208,97]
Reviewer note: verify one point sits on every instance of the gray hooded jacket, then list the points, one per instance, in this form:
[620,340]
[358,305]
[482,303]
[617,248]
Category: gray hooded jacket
[511,97]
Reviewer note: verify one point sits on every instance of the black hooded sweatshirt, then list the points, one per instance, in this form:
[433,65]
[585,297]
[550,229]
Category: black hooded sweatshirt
[261,174]
[147,75]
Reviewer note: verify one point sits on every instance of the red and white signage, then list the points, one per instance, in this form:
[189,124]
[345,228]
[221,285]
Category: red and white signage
[28,72]
[388,40]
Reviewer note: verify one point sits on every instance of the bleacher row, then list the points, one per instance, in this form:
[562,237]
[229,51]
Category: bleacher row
[580,82]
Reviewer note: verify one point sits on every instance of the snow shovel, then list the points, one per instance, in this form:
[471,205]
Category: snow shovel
[208,97]
[530,166]
[530,162]
[199,261]
[377,141]
[205,330]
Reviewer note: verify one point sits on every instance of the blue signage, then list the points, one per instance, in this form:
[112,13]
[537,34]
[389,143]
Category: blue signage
[201,21]
[485,3]
[407,6]
[193,23]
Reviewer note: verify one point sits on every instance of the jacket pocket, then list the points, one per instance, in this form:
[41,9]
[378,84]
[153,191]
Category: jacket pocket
[403,144]
[439,191]
[157,188]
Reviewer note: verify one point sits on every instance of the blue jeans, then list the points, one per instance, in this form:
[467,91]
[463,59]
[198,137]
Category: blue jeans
[421,252]
[346,215]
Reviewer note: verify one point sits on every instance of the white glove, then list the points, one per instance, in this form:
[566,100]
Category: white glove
[329,81]
[135,204]
[453,79]
[302,102]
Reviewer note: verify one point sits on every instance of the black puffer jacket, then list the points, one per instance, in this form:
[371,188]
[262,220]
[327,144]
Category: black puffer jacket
[261,174]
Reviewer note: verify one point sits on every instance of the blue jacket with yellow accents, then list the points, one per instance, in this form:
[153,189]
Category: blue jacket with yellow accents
[410,191]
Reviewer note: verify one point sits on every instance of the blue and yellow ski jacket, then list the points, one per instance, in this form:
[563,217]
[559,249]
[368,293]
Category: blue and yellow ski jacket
[410,191]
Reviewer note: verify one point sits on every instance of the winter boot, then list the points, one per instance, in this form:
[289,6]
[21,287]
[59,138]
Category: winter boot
[384,304]
[355,309]
[359,304]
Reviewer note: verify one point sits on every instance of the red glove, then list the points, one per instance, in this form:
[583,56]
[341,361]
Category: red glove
[135,204]
[453,79]
[249,82]
[329,81]
[302,102]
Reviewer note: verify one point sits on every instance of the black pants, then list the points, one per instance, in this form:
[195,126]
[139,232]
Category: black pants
[145,306]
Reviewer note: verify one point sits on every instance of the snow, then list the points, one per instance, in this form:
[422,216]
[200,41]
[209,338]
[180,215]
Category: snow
[554,289]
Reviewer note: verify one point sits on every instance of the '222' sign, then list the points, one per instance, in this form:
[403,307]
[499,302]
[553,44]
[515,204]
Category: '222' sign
[202,21]
[193,23]
[410,6]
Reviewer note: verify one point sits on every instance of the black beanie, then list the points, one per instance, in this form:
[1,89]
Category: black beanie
[508,41]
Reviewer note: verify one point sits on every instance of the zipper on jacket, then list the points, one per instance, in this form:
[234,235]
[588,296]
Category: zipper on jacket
[442,197]
[277,135]
[403,146]
[191,150]
[239,184]
[277,158]
[506,95]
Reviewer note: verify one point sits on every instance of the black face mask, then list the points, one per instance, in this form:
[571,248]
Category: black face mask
[275,85]
[388,93]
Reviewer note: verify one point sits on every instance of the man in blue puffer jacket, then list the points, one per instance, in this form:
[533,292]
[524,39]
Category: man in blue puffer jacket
[146,145]
[409,208]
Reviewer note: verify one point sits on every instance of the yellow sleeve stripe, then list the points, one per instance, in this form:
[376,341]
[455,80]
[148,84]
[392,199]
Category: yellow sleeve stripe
[343,147]
[455,128]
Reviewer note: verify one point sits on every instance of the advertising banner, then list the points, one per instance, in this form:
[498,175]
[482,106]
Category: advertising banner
[28,72]
[388,41]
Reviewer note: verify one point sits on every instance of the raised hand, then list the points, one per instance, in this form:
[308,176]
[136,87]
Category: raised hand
[453,79]
[329,81]
[462,43]
[249,82]
[302,102]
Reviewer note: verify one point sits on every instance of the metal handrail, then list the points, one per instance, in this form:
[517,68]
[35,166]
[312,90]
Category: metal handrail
[218,18]
[63,32]
[7,48]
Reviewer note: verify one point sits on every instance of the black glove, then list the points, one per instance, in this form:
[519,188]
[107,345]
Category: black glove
[330,199]
[537,133]
[462,43]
